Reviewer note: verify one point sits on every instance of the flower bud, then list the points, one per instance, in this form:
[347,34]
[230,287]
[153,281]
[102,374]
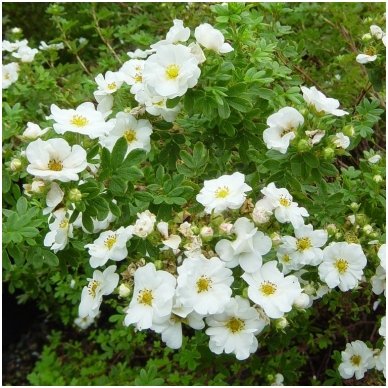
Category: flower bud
[348,130]
[374,235]
[303,145]
[16,30]
[124,290]
[367,229]
[195,229]
[72,283]
[158,264]
[378,178]
[15,165]
[207,233]
[361,219]
[276,238]
[354,206]
[366,37]
[309,289]
[75,195]
[328,153]
[338,235]
[226,228]
[331,229]
[261,215]
[281,323]
[245,293]
[302,301]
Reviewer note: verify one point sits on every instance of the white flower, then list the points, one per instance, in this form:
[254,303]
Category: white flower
[382,330]
[173,242]
[262,212]
[196,50]
[282,127]
[378,281]
[212,39]
[284,209]
[109,83]
[279,380]
[85,119]
[139,53]
[10,74]
[247,250]
[204,284]
[156,105]
[193,246]
[382,255]
[33,131]
[342,265]
[109,245]
[163,229]
[304,247]
[185,229]
[83,323]
[60,231]
[55,159]
[356,360]
[271,290]
[234,330]
[102,283]
[144,224]
[177,33]
[137,133]
[315,136]
[225,192]
[171,326]
[288,263]
[37,186]
[104,104]
[365,58]
[53,198]
[152,297]
[376,31]
[374,159]
[171,71]
[25,53]
[98,226]
[124,290]
[55,46]
[13,46]
[132,74]
[341,140]
[322,103]
[381,361]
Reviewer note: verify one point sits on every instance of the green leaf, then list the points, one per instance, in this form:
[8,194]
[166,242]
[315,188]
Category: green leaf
[143,196]
[136,156]
[311,160]
[118,186]
[118,153]
[87,222]
[50,258]
[172,103]
[224,110]
[21,206]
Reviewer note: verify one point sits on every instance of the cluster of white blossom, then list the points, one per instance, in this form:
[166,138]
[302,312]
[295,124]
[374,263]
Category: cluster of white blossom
[283,125]
[370,53]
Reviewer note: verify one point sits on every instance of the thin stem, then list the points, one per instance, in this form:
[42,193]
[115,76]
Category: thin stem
[99,31]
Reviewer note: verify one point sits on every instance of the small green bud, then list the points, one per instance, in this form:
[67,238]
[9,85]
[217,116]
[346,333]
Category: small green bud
[354,206]
[195,229]
[158,264]
[281,323]
[378,178]
[361,219]
[338,235]
[367,229]
[15,165]
[75,195]
[366,37]
[374,235]
[328,153]
[331,229]
[348,130]
[303,145]
[124,290]
[245,293]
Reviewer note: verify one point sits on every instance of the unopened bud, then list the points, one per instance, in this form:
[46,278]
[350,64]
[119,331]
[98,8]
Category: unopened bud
[158,264]
[366,37]
[281,323]
[124,290]
[195,229]
[245,292]
[260,215]
[207,232]
[328,153]
[302,301]
[303,145]
[226,228]
[378,178]
[361,219]
[348,130]
[276,238]
[354,206]
[309,289]
[15,165]
[338,235]
[331,229]
[367,229]
[75,195]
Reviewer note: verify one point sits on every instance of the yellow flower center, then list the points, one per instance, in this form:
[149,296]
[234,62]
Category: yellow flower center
[286,258]
[172,71]
[110,241]
[284,201]
[370,51]
[92,287]
[235,325]
[341,265]
[55,165]
[79,121]
[138,78]
[222,192]
[145,297]
[130,136]
[355,360]
[6,76]
[64,223]
[303,243]
[267,288]
[112,86]
[203,284]
[287,130]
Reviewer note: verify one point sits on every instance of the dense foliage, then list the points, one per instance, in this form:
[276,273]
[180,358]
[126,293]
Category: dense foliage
[333,166]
